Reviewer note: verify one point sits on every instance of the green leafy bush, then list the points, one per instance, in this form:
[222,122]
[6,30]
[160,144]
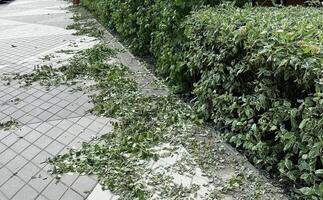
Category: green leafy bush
[257,74]
[145,22]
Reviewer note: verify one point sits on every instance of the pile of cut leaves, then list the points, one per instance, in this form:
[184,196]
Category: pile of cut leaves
[143,123]
[8,124]
[145,126]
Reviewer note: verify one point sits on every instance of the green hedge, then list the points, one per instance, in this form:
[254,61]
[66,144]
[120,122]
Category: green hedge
[258,74]
[255,72]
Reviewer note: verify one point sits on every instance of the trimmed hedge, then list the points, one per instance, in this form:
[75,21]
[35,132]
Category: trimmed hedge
[255,72]
[258,75]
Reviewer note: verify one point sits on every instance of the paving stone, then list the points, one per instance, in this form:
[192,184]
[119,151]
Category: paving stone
[2,147]
[71,194]
[2,196]
[75,129]
[41,197]
[40,181]
[31,152]
[49,120]
[7,155]
[69,179]
[12,186]
[44,127]
[54,148]
[84,185]
[10,139]
[43,141]
[41,158]
[17,163]
[4,134]
[55,190]
[26,193]
[32,136]
[28,172]
[5,174]
[23,130]
[66,138]
[20,146]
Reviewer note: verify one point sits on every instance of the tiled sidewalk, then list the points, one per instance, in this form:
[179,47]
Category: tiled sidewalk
[49,121]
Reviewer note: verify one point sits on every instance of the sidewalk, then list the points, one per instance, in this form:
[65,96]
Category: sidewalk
[49,122]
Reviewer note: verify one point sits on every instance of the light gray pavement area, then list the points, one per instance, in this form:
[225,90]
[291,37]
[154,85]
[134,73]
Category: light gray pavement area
[49,121]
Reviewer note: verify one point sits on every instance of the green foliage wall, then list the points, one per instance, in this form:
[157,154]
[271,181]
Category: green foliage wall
[256,74]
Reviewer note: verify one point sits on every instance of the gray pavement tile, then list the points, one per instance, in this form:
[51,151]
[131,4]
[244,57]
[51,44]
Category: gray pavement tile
[41,159]
[54,109]
[2,147]
[75,115]
[54,133]
[76,143]
[7,155]
[64,113]
[36,111]
[44,127]
[87,135]
[37,102]
[31,152]
[16,164]
[83,185]
[28,108]
[30,99]
[54,100]
[17,114]
[2,196]
[5,174]
[41,197]
[54,190]
[95,126]
[2,116]
[84,122]
[20,146]
[25,118]
[10,139]
[40,181]
[62,103]
[54,148]
[26,193]
[12,186]
[54,118]
[43,141]
[46,105]
[46,97]
[69,179]
[35,120]
[71,195]
[4,134]
[75,129]
[45,115]
[23,130]
[28,172]
[32,136]
[66,138]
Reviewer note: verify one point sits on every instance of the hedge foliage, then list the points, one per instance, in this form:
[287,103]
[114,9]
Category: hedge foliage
[258,74]
[255,72]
